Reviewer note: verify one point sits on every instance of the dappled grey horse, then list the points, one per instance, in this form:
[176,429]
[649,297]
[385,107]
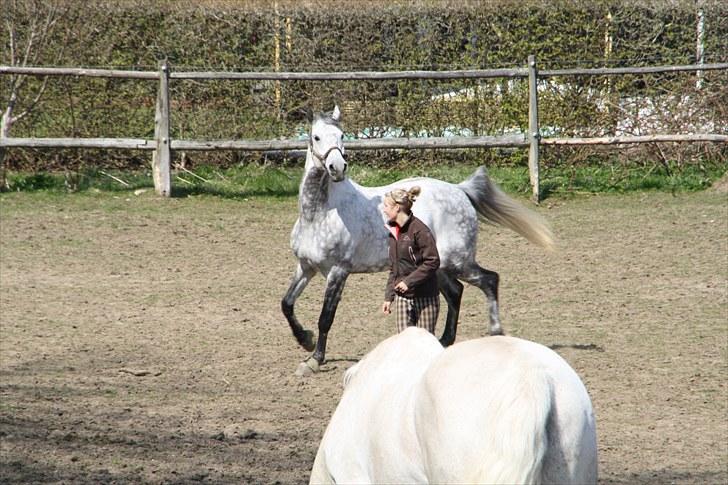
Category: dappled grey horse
[340,230]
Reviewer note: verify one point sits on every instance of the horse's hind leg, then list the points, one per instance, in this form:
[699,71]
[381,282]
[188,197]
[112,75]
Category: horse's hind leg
[300,279]
[487,281]
[452,290]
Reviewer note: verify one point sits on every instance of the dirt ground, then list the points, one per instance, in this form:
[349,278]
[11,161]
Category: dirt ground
[141,340]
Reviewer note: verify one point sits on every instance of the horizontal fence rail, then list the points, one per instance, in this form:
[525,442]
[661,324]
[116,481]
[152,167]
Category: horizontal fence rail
[618,71]
[355,75]
[625,140]
[76,71]
[362,144]
[121,143]
[518,141]
[162,144]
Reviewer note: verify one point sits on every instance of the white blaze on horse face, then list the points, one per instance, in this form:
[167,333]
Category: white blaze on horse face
[327,144]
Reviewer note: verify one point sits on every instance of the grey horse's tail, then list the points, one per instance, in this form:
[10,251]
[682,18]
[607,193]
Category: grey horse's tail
[493,204]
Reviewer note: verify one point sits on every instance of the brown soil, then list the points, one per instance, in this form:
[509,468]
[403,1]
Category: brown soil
[721,185]
[142,341]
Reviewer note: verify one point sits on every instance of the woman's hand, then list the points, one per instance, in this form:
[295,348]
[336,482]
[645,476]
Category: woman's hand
[401,287]
[386,307]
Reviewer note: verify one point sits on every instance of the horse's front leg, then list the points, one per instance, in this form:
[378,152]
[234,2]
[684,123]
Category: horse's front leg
[335,281]
[300,279]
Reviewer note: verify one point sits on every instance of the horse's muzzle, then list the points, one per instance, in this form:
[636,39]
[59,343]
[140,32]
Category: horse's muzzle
[337,175]
[337,165]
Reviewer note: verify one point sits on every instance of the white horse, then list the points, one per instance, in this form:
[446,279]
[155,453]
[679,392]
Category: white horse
[489,410]
[340,230]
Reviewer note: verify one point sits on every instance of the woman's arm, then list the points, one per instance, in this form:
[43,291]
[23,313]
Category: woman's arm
[430,258]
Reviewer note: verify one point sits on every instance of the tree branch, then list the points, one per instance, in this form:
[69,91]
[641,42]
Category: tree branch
[11,33]
[50,20]
[14,79]
[39,32]
[32,104]
[31,39]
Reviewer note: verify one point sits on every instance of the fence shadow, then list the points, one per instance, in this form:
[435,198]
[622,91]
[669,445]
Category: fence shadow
[666,476]
[234,194]
[594,347]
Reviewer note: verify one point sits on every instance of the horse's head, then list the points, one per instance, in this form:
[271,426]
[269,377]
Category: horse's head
[326,144]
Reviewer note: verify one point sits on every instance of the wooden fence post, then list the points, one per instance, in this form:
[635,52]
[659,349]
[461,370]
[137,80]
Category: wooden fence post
[534,135]
[700,43]
[162,154]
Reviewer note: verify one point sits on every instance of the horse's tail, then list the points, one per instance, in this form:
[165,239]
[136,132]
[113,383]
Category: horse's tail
[493,204]
[519,434]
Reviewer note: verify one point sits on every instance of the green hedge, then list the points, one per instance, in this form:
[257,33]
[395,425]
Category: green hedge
[338,36]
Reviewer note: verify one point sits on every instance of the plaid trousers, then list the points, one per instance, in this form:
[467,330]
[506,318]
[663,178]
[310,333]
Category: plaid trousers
[419,312]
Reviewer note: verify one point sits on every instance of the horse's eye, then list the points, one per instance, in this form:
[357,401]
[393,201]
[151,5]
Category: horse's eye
[316,138]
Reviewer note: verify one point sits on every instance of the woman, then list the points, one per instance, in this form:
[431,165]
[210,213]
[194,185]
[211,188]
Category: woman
[413,258]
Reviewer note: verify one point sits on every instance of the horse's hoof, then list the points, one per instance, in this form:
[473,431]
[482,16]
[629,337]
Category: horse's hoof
[308,342]
[496,331]
[446,342]
[308,367]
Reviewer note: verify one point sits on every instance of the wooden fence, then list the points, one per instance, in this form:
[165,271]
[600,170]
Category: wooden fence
[162,145]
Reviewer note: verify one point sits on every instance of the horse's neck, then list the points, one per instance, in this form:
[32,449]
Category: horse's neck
[314,191]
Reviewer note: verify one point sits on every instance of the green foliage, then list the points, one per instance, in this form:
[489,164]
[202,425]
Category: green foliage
[620,178]
[34,182]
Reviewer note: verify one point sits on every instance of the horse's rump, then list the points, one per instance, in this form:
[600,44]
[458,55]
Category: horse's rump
[483,413]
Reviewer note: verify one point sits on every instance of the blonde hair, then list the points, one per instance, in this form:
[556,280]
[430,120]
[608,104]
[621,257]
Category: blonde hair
[404,198]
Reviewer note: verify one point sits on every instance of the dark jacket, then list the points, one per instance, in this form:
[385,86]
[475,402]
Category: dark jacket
[413,257]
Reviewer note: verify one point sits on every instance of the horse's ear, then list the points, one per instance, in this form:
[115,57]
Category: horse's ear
[336,114]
